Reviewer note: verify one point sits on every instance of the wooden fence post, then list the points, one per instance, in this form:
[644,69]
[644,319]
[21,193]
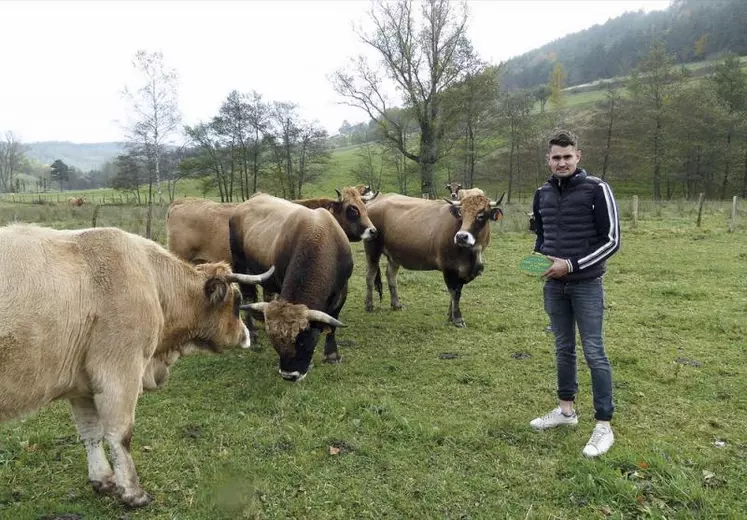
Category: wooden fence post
[733,221]
[95,215]
[635,211]
[701,200]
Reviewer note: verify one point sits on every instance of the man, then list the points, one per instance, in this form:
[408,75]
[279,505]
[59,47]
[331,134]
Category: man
[578,228]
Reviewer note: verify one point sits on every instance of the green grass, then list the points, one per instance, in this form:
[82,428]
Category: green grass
[425,437]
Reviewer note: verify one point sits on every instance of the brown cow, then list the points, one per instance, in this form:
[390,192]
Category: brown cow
[349,211]
[123,309]
[426,235]
[453,188]
[76,201]
[313,262]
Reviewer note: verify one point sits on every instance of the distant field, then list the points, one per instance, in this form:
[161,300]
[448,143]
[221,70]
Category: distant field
[423,436]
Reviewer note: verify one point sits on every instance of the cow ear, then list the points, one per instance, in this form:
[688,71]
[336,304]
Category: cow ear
[496,214]
[216,290]
[333,206]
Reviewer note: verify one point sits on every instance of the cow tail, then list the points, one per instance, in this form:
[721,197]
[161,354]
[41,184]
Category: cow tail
[377,282]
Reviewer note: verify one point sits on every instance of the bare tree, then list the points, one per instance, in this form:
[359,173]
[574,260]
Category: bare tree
[156,116]
[11,156]
[423,60]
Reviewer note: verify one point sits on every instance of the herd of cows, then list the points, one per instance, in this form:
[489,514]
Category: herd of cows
[98,315]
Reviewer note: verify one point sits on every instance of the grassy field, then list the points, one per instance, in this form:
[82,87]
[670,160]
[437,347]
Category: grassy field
[398,430]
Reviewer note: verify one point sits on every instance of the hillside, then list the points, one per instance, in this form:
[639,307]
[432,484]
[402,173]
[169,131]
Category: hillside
[692,30]
[83,156]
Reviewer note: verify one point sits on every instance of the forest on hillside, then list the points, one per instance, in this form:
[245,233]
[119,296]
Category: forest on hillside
[659,132]
[690,30]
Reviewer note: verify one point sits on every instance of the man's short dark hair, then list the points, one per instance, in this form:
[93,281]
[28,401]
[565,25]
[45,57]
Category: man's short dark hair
[562,138]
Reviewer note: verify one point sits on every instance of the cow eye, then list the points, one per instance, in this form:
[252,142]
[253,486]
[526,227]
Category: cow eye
[481,215]
[353,212]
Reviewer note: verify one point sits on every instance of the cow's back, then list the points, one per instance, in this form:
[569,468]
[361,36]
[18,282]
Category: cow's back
[266,222]
[62,292]
[197,230]
[306,245]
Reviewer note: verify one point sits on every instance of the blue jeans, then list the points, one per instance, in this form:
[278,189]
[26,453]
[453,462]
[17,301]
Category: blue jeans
[580,303]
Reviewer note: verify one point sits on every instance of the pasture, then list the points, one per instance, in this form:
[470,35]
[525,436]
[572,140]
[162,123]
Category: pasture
[422,420]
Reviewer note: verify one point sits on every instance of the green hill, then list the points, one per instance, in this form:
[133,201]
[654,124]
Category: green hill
[83,156]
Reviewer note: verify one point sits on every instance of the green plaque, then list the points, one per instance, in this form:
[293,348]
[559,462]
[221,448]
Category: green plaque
[535,264]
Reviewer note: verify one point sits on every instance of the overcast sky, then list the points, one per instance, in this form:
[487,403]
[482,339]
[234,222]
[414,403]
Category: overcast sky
[65,63]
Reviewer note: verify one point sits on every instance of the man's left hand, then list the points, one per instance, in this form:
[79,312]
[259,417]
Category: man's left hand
[558,269]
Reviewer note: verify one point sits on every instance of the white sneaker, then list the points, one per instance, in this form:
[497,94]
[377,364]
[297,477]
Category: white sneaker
[601,440]
[554,418]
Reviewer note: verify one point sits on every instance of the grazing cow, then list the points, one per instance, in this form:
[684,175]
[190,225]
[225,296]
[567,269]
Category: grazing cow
[197,230]
[454,188]
[313,261]
[427,235]
[76,201]
[122,310]
[349,211]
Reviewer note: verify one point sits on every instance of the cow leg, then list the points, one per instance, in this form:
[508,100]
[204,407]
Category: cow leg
[391,279]
[454,284]
[116,410]
[373,275]
[100,473]
[331,354]
[249,295]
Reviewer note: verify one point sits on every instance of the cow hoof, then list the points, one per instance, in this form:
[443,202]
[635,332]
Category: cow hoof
[137,499]
[398,307]
[107,485]
[369,307]
[333,359]
[459,323]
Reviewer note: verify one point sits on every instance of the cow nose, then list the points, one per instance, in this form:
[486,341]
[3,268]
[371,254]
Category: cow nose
[293,377]
[463,238]
[370,233]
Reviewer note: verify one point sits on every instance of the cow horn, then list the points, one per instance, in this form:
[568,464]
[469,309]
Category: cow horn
[339,195]
[258,306]
[457,203]
[498,202]
[251,278]
[323,317]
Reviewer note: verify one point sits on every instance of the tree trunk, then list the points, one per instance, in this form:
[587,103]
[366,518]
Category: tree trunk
[744,176]
[428,154]
[149,217]
[657,161]
[727,166]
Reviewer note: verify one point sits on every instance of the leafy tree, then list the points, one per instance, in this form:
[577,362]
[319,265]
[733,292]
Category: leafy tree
[557,84]
[423,60]
[156,117]
[474,100]
[129,174]
[515,114]
[730,85]
[12,156]
[652,85]
[60,172]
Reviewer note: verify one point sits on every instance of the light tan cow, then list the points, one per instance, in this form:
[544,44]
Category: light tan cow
[197,230]
[425,235]
[96,315]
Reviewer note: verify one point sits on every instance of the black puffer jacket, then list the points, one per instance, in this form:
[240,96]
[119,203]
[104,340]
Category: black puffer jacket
[576,218]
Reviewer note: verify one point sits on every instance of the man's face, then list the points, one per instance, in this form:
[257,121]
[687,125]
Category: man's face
[563,160]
